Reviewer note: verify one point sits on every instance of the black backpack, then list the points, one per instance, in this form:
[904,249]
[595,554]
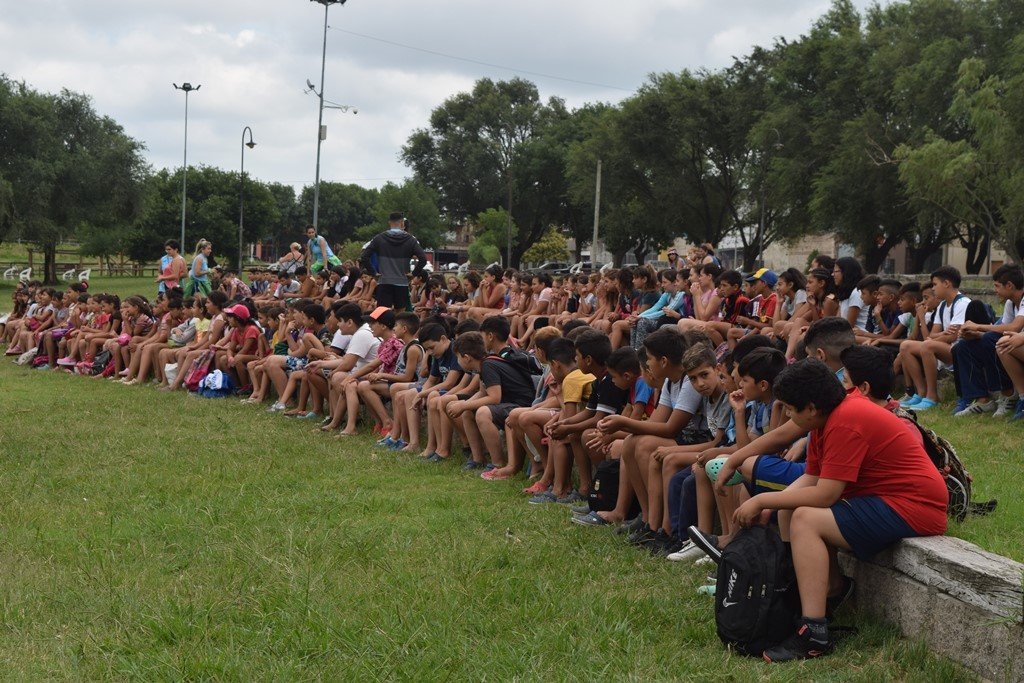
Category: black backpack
[605,491]
[756,601]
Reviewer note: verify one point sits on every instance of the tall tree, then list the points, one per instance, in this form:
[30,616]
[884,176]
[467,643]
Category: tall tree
[343,209]
[66,166]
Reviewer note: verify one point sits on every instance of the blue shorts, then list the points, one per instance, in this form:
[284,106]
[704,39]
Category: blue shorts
[772,473]
[869,525]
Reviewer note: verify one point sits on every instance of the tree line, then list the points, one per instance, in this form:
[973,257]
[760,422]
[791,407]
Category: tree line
[898,124]
[903,123]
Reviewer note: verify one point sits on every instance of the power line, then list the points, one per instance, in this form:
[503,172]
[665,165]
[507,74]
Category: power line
[480,63]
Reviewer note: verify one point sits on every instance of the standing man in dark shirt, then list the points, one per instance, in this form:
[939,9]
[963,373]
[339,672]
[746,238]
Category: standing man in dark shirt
[393,248]
[506,383]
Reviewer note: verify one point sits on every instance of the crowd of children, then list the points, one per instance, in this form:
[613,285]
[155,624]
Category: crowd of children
[636,378]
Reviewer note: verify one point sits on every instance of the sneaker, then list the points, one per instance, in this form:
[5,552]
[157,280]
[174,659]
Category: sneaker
[277,407]
[308,416]
[1005,406]
[688,553]
[591,519]
[490,466]
[708,589]
[800,645]
[629,526]
[434,457]
[912,400]
[66,361]
[542,498]
[924,404]
[961,404]
[706,542]
[573,497]
[836,601]
[1019,412]
[656,542]
[44,367]
[398,445]
[472,465]
[673,545]
[581,510]
[641,536]
[386,442]
[976,408]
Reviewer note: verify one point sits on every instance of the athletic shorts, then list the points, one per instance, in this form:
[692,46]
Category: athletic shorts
[772,473]
[869,525]
[392,296]
[294,364]
[688,437]
[500,413]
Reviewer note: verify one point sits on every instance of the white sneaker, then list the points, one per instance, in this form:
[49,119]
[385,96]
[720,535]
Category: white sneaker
[977,409]
[276,408]
[1005,405]
[688,553]
[703,560]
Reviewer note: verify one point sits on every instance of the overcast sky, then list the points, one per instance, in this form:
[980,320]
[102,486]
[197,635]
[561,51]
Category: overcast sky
[253,58]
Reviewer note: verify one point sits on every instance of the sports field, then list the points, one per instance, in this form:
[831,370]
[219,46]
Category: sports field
[159,536]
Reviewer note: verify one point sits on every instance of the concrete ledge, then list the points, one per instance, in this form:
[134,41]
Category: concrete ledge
[963,602]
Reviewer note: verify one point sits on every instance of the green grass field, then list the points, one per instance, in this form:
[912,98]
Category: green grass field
[157,536]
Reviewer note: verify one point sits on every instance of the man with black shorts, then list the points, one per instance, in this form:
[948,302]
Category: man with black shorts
[393,250]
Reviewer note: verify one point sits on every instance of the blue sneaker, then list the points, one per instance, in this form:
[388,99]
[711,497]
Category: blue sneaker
[386,442]
[924,404]
[1019,413]
[961,405]
[434,457]
[912,401]
[398,445]
[472,465]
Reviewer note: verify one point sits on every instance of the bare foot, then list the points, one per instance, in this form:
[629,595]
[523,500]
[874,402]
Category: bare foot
[610,516]
[412,448]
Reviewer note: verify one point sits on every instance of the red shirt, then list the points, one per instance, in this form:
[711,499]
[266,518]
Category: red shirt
[874,453]
[731,309]
[240,335]
[767,308]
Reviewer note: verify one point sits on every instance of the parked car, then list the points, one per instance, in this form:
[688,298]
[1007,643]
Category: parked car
[551,268]
[583,267]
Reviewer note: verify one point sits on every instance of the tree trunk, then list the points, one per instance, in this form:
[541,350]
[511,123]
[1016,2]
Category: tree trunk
[617,257]
[640,251]
[875,256]
[918,256]
[50,264]
[976,243]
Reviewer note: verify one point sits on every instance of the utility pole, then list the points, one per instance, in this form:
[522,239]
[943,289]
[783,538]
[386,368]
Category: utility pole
[320,132]
[186,88]
[597,217]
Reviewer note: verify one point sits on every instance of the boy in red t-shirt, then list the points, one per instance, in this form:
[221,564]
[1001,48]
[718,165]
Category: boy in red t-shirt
[763,302]
[868,484]
[734,304]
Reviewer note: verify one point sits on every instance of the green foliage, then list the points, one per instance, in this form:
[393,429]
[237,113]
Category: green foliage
[343,209]
[419,204]
[211,214]
[551,247]
[490,236]
[351,250]
[64,166]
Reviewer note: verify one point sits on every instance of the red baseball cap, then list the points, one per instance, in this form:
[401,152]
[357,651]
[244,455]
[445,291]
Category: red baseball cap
[239,311]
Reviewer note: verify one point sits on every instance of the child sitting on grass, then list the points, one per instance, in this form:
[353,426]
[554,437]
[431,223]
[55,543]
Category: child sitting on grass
[506,382]
[407,368]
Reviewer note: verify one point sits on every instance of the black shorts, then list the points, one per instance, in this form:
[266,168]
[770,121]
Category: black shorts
[500,413]
[392,296]
[464,397]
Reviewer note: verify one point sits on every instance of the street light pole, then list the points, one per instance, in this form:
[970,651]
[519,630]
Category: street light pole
[241,194]
[187,88]
[320,121]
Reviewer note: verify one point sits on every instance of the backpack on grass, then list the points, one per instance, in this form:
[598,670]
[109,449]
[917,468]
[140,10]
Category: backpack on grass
[756,601]
[958,479]
[101,361]
[198,371]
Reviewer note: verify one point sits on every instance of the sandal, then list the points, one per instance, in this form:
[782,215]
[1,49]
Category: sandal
[537,487]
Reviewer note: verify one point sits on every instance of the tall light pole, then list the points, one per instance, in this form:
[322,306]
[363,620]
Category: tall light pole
[241,194]
[187,87]
[320,122]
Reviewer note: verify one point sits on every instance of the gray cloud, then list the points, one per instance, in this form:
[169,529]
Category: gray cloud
[253,58]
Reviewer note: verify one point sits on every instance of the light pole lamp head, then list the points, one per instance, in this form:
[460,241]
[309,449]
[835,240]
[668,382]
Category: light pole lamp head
[250,144]
[187,87]
[328,3]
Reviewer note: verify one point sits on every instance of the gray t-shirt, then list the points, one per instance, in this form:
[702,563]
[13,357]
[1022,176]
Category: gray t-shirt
[718,412]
